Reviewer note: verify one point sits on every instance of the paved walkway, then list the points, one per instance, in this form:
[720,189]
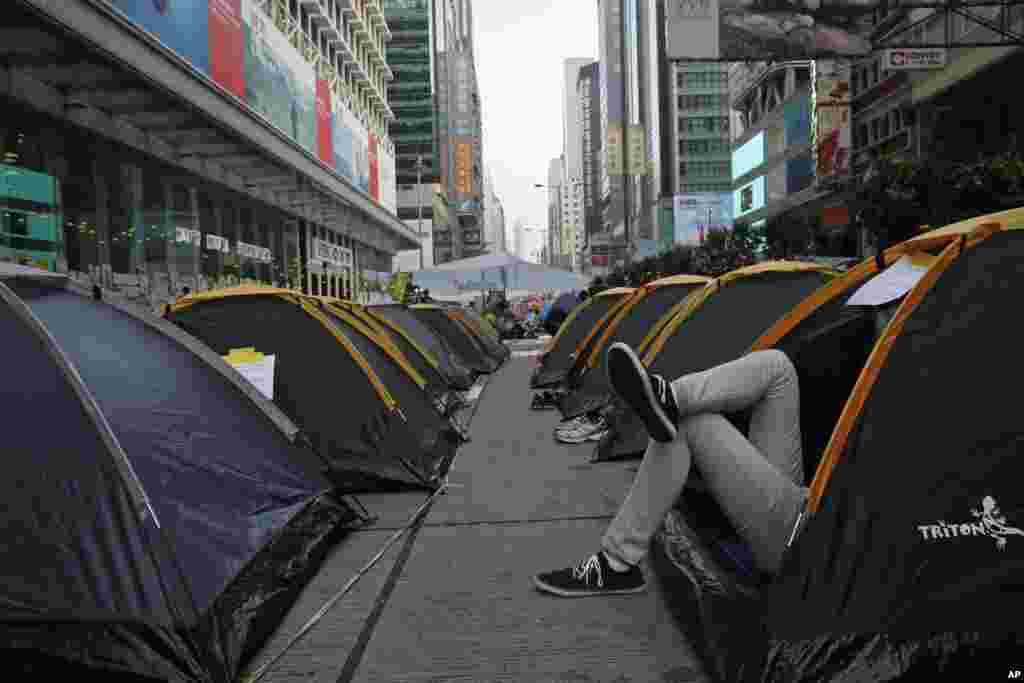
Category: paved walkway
[453,601]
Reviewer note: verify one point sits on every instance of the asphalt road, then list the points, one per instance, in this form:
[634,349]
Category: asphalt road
[453,600]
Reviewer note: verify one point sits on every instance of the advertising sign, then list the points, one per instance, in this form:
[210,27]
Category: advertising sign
[333,254]
[614,147]
[374,169]
[183,26]
[227,46]
[748,156]
[463,166]
[694,214]
[388,187]
[637,140]
[342,142]
[831,121]
[218,243]
[768,30]
[325,122]
[797,117]
[799,173]
[254,252]
[280,83]
[907,59]
[749,198]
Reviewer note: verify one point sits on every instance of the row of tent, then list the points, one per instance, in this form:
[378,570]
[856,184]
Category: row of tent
[162,509]
[912,557]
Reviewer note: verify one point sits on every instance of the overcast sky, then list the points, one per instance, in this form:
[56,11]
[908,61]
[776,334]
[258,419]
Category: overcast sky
[520,47]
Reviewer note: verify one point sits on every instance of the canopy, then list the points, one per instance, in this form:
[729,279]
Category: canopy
[497,271]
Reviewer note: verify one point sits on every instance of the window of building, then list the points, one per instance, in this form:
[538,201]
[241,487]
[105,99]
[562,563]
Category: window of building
[875,130]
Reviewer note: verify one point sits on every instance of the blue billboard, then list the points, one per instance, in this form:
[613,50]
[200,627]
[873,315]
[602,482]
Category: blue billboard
[797,117]
[750,197]
[182,25]
[696,213]
[799,173]
[749,156]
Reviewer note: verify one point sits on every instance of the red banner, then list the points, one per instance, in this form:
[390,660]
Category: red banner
[324,122]
[374,169]
[227,45]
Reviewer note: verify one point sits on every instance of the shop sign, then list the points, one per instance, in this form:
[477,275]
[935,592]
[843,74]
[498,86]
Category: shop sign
[254,252]
[187,236]
[218,243]
[333,254]
[907,59]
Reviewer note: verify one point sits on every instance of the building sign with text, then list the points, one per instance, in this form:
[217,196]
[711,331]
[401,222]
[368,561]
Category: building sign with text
[333,254]
[906,59]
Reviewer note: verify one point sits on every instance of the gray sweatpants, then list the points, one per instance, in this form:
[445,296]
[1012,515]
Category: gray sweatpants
[758,481]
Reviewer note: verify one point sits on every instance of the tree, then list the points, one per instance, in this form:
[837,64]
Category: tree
[398,284]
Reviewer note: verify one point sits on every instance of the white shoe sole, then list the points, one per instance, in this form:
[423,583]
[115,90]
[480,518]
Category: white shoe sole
[547,588]
[654,418]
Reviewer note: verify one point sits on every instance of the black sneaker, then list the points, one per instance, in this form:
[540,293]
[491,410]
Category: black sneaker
[592,576]
[650,396]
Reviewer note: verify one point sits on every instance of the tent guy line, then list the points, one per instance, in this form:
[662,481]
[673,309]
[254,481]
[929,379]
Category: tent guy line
[414,521]
[258,675]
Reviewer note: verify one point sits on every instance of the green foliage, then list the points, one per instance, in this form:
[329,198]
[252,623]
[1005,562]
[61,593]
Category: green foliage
[397,286]
[722,251]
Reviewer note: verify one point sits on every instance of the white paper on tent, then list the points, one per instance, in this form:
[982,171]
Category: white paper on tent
[892,283]
[256,368]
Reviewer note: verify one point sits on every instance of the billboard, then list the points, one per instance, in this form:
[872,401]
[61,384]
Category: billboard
[830,120]
[227,45]
[768,30]
[388,187]
[799,172]
[695,213]
[637,141]
[748,156]
[183,26]
[237,45]
[463,166]
[280,83]
[749,198]
[614,149]
[374,169]
[325,122]
[343,142]
[797,119]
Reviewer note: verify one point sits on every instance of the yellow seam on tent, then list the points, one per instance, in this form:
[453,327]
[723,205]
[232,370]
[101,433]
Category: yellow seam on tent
[597,327]
[616,291]
[565,324]
[395,354]
[409,338]
[880,354]
[367,329]
[819,298]
[360,360]
[683,279]
[631,302]
[674,324]
[664,320]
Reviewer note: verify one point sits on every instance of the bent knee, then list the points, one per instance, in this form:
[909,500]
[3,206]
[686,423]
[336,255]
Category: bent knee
[779,359]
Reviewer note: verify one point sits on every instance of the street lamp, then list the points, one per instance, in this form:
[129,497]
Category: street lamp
[419,203]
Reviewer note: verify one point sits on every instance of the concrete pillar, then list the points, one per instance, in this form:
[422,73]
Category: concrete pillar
[169,224]
[101,214]
[196,249]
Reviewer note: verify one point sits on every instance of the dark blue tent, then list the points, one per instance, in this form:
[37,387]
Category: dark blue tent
[159,516]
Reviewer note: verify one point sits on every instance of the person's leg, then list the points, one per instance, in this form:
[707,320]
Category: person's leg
[760,500]
[765,381]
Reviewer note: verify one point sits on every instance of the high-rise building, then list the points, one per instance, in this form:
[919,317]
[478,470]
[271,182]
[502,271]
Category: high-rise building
[494,218]
[460,125]
[556,171]
[589,98]
[572,151]
[629,59]
[772,159]
[414,131]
